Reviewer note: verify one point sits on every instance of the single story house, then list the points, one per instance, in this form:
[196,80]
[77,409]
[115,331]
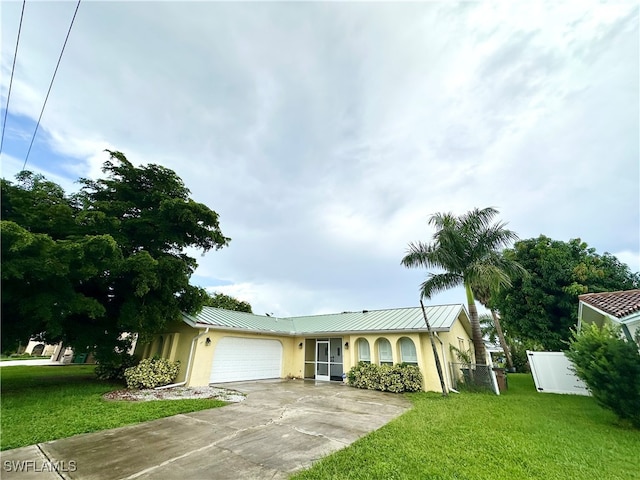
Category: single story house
[217,346]
[622,308]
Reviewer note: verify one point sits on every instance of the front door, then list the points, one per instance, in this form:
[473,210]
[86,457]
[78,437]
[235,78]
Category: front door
[322,360]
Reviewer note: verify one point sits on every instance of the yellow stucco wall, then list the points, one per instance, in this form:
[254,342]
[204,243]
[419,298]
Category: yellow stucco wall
[203,356]
[458,337]
[178,339]
[175,345]
[426,361]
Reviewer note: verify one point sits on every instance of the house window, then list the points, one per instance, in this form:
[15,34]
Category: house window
[408,351]
[364,354]
[385,354]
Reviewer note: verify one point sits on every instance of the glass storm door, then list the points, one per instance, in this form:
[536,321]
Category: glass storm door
[322,360]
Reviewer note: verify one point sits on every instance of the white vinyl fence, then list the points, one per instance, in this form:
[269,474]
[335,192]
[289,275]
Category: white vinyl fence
[552,372]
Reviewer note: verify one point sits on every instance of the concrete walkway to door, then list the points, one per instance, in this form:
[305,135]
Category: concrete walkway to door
[283,426]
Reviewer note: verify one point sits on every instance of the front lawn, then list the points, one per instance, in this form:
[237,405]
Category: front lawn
[42,403]
[521,434]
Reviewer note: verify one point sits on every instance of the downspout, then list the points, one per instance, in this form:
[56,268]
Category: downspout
[444,358]
[187,375]
[579,316]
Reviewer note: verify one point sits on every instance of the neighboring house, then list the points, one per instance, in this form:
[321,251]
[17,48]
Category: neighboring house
[37,348]
[57,351]
[622,308]
[218,345]
[553,372]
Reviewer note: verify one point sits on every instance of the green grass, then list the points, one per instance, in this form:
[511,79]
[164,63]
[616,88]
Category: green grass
[4,358]
[43,403]
[521,434]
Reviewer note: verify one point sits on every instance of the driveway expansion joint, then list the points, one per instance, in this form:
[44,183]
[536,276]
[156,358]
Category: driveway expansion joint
[39,447]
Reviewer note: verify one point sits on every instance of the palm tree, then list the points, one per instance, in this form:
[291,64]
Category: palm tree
[466,248]
[483,294]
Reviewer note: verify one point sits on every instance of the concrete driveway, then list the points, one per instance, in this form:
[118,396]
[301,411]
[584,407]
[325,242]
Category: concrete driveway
[283,426]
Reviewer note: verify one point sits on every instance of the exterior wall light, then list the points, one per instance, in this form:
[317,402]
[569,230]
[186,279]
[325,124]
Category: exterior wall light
[207,342]
[300,345]
[346,345]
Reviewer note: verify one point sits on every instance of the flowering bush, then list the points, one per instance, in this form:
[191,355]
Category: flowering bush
[151,373]
[411,377]
[397,378]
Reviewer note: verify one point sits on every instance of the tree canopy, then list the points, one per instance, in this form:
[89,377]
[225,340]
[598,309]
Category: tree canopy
[467,249]
[220,300]
[543,306]
[110,259]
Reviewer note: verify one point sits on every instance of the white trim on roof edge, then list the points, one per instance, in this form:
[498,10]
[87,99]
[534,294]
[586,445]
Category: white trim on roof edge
[314,334]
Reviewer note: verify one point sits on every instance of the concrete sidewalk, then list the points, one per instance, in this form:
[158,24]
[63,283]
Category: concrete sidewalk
[283,426]
[30,363]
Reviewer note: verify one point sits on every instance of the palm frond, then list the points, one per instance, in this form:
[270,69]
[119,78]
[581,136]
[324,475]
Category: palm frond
[439,282]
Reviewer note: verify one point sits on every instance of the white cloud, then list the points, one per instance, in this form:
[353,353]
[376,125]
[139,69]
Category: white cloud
[325,134]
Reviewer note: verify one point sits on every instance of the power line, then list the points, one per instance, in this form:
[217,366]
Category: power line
[13,67]
[51,85]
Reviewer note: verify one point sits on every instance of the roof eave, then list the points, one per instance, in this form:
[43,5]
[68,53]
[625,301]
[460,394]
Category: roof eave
[314,333]
[241,329]
[370,332]
[598,310]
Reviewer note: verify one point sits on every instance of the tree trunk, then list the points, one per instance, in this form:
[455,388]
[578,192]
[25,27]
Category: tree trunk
[503,342]
[478,343]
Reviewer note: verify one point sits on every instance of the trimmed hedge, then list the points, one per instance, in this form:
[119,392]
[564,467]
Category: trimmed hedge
[152,373]
[398,378]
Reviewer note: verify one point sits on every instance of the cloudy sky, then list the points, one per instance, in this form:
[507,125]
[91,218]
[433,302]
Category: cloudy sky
[325,134]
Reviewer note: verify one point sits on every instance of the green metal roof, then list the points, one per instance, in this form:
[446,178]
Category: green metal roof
[217,317]
[441,318]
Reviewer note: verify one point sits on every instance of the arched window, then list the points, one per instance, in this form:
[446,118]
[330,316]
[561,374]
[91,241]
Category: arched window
[37,350]
[385,355]
[408,351]
[364,354]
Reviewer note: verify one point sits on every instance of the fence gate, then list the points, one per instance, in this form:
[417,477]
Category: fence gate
[553,373]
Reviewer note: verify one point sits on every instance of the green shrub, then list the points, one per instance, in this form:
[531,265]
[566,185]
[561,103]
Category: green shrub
[610,367]
[398,378]
[364,375]
[113,369]
[151,373]
[519,357]
[411,377]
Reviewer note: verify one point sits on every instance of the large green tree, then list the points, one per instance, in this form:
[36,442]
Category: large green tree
[110,259]
[467,250]
[227,302]
[543,305]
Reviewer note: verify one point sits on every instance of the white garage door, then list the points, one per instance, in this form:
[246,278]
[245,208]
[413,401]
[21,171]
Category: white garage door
[236,359]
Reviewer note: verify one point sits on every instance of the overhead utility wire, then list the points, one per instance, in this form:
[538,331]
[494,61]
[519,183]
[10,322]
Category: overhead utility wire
[50,85]
[13,67]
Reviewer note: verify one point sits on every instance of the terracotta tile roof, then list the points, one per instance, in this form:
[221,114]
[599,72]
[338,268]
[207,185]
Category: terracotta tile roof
[618,304]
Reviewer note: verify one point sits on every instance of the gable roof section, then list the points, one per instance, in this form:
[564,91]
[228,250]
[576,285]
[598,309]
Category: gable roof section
[618,304]
[229,319]
[441,318]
